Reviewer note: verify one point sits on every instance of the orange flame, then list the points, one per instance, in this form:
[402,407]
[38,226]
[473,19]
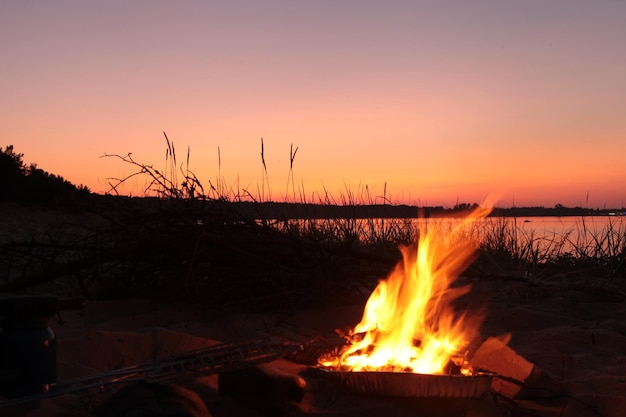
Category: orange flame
[408,323]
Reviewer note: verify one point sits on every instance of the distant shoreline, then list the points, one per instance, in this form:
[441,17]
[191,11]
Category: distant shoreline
[289,211]
[310,211]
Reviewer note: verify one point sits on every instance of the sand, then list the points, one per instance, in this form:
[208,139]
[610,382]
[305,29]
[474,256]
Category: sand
[574,332]
[576,336]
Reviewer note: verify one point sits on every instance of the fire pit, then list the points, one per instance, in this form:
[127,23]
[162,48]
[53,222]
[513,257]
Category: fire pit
[411,342]
[412,385]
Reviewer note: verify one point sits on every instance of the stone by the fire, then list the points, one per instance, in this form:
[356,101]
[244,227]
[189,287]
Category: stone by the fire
[155,400]
[266,387]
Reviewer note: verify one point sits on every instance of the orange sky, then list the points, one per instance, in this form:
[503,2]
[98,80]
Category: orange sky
[440,102]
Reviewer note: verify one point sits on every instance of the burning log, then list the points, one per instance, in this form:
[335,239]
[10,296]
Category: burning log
[409,324]
[411,342]
[415,303]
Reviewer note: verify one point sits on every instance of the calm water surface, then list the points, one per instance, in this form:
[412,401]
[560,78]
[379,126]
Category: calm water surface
[552,235]
[588,235]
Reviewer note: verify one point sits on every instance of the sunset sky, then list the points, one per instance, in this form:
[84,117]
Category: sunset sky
[432,102]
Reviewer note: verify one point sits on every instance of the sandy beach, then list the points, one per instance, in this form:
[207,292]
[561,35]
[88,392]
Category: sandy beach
[576,336]
[572,330]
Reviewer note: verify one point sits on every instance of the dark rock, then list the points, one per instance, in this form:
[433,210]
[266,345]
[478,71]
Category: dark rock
[267,388]
[155,400]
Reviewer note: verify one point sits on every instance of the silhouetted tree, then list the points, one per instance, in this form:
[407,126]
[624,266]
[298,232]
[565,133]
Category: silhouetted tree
[12,173]
[31,184]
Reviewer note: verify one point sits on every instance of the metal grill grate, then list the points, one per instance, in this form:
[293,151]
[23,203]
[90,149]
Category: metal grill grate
[203,361]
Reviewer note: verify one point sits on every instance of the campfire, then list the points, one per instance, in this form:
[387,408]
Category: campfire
[409,324]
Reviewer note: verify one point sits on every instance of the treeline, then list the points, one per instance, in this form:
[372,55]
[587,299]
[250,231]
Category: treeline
[27,183]
[558,210]
[323,211]
[290,211]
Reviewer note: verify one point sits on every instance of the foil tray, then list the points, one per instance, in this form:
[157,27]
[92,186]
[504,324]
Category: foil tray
[412,385]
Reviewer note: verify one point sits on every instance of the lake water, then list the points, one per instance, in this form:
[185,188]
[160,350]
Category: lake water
[580,236]
[589,235]
[560,225]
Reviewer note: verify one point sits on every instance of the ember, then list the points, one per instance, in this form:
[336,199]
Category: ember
[408,324]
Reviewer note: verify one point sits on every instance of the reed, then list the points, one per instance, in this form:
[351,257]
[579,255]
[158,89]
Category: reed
[576,252]
[219,244]
[504,244]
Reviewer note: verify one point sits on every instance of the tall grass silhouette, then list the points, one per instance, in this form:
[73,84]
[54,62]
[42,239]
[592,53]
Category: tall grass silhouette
[219,244]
